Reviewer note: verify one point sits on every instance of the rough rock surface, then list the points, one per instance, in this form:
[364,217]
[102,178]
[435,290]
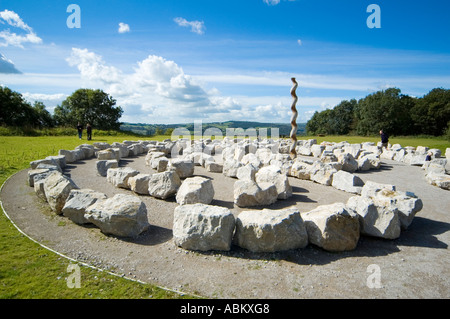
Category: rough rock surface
[121,215]
[270,230]
[203,227]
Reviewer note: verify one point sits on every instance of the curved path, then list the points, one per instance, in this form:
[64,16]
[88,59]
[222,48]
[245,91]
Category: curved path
[412,266]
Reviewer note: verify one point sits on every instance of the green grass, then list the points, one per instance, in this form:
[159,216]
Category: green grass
[28,270]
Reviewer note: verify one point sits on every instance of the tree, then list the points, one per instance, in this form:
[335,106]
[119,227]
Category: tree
[319,123]
[431,113]
[42,117]
[388,110]
[89,106]
[342,118]
[14,110]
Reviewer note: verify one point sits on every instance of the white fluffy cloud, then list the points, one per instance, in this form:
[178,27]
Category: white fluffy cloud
[123,27]
[196,26]
[272,2]
[27,35]
[158,91]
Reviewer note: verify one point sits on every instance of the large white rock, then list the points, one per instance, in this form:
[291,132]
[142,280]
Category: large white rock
[121,215]
[322,173]
[195,190]
[375,220]
[203,227]
[347,182]
[248,193]
[406,204]
[164,185]
[230,167]
[272,174]
[317,150]
[247,172]
[119,176]
[270,230]
[77,203]
[183,167]
[332,227]
[108,154]
[439,180]
[139,183]
[370,188]
[348,161]
[56,189]
[104,165]
[301,169]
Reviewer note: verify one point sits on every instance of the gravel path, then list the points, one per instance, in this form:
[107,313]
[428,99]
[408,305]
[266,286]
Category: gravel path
[413,266]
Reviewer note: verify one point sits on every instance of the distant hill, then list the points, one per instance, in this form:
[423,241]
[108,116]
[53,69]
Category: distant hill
[159,129]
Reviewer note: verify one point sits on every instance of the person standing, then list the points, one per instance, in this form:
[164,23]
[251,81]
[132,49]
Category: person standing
[384,139]
[89,132]
[80,130]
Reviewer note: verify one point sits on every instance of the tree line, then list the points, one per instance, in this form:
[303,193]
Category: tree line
[83,106]
[389,110]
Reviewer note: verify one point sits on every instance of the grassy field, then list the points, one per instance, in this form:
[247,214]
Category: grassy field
[29,271]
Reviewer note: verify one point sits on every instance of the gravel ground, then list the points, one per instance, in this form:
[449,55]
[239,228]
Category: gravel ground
[412,266]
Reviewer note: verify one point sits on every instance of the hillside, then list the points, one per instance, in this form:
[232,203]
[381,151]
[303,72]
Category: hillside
[158,129]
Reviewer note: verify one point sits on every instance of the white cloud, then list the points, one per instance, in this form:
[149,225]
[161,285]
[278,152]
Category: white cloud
[196,26]
[272,2]
[11,38]
[92,67]
[123,27]
[299,42]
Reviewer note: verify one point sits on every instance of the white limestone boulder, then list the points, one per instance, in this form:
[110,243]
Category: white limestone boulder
[139,183]
[104,165]
[347,182]
[332,227]
[56,189]
[119,176]
[203,227]
[78,201]
[183,167]
[270,230]
[122,215]
[195,190]
[164,185]
[248,193]
[375,220]
[272,174]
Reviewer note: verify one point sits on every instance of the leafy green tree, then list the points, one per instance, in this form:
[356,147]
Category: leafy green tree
[42,117]
[319,123]
[431,113]
[89,106]
[14,110]
[388,110]
[342,118]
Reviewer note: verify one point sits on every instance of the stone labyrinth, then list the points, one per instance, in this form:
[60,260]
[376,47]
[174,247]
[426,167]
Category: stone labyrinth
[262,179]
[236,194]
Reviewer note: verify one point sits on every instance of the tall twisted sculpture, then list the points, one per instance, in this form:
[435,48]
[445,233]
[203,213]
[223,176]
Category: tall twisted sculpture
[293,151]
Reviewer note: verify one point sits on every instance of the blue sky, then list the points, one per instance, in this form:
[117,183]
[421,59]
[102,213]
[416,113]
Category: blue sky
[179,61]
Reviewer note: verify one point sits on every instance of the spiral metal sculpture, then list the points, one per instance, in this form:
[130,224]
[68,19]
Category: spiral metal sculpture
[293,151]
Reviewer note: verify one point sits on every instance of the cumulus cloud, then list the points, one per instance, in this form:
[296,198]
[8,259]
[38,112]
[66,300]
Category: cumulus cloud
[27,35]
[196,26]
[92,66]
[159,91]
[272,2]
[123,27]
